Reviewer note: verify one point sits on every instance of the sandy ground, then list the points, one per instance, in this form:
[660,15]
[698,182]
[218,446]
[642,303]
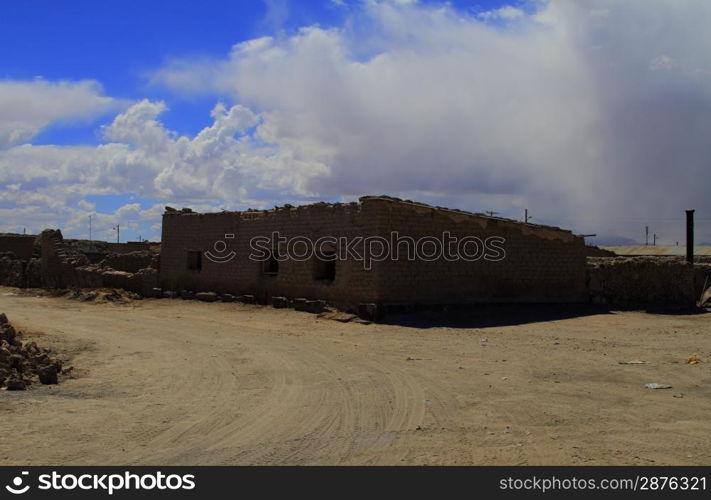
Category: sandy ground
[175,382]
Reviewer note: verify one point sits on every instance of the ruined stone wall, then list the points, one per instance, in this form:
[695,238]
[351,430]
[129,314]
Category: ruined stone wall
[19,273]
[643,281]
[541,264]
[198,232]
[595,251]
[20,245]
[702,278]
[58,262]
[128,247]
[62,266]
[131,262]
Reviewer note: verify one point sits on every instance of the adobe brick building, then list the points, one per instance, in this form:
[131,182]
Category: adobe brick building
[541,263]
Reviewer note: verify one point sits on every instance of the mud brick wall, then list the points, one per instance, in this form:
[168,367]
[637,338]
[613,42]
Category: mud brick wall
[131,262]
[19,273]
[131,246]
[241,275]
[59,263]
[702,278]
[542,264]
[20,245]
[642,281]
[594,251]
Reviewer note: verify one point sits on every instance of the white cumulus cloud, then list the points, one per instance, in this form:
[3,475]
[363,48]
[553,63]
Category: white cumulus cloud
[594,115]
[26,107]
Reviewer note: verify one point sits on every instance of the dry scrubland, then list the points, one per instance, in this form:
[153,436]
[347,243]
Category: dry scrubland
[184,382]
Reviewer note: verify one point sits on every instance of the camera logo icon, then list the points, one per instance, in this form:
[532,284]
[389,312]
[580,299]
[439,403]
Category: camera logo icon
[16,488]
[220,254]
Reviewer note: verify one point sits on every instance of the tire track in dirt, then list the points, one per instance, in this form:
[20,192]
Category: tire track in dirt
[182,382]
[312,408]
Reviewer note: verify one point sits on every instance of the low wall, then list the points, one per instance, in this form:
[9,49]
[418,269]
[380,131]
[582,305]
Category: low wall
[130,262]
[642,281]
[20,245]
[16,272]
[128,247]
[62,266]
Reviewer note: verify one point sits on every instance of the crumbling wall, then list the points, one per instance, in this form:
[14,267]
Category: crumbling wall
[21,246]
[131,262]
[128,247]
[15,272]
[642,281]
[702,282]
[68,264]
[595,251]
[59,263]
[62,266]
[94,251]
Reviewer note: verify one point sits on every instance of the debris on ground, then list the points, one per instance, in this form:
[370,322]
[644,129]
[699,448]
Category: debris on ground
[207,296]
[25,363]
[693,360]
[656,385]
[633,362]
[341,317]
[102,295]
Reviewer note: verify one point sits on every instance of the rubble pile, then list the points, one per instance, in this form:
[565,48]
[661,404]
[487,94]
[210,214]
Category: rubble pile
[24,363]
[102,295]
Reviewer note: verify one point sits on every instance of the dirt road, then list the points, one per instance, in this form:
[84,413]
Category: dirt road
[181,382]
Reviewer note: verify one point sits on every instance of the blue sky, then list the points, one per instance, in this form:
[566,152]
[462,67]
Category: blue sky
[117,108]
[117,42]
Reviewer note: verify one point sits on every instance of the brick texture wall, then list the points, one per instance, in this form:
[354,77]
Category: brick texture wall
[128,247]
[645,281]
[191,232]
[541,263]
[22,246]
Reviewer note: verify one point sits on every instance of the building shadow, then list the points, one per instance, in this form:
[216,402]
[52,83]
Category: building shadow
[676,311]
[488,315]
[497,315]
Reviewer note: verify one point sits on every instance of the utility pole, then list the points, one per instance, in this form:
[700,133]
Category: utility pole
[490,213]
[89,227]
[118,233]
[646,236]
[655,239]
[526,217]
